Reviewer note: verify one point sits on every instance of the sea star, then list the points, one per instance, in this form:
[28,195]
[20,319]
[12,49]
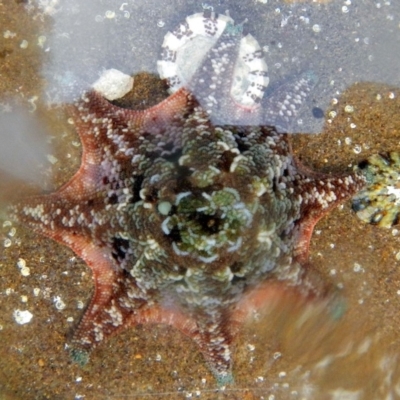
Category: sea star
[185,222]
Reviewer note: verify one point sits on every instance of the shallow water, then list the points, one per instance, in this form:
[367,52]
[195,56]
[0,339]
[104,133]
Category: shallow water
[294,351]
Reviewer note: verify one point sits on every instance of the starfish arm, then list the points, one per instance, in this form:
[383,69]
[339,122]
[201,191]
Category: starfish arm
[50,215]
[214,336]
[261,296]
[211,329]
[284,104]
[116,296]
[320,193]
[223,103]
[309,286]
[104,129]
[113,133]
[92,109]
[116,302]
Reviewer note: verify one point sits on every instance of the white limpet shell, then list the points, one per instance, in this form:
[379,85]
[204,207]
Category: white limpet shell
[113,84]
[185,48]
[22,317]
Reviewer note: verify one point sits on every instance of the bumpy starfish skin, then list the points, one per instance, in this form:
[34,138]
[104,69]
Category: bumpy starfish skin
[183,222]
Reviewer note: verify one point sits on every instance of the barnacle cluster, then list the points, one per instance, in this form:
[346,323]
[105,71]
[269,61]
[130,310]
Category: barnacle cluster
[379,202]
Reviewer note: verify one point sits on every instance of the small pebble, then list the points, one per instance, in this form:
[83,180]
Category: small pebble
[277,355]
[59,304]
[316,28]
[24,44]
[22,317]
[110,14]
[349,109]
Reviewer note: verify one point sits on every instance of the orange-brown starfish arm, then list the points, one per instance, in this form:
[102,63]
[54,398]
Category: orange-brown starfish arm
[320,194]
[97,121]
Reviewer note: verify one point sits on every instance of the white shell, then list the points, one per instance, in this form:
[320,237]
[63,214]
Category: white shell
[113,84]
